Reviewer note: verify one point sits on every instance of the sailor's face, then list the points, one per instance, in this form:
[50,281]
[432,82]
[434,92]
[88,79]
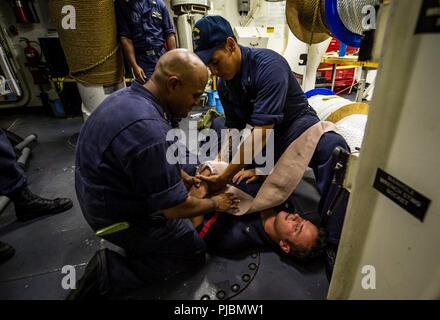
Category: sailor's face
[222,63]
[185,94]
[189,97]
[295,230]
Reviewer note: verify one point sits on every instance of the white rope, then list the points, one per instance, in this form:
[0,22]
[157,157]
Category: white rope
[350,12]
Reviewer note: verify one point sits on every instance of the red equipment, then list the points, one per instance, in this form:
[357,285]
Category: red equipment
[344,78]
[33,62]
[22,11]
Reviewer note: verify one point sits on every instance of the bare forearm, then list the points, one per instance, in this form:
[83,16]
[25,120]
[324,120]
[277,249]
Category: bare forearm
[252,146]
[191,207]
[199,192]
[171,42]
[129,51]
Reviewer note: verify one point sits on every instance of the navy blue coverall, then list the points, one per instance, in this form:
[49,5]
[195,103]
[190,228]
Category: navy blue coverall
[235,234]
[12,176]
[265,92]
[148,24]
[122,174]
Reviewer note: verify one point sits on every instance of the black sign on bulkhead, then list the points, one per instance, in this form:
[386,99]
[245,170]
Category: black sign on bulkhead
[429,18]
[401,194]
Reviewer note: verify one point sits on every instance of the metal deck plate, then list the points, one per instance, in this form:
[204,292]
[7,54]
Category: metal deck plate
[221,278]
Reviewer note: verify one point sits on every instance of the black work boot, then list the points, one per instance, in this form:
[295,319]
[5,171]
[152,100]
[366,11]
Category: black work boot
[94,282]
[6,252]
[29,206]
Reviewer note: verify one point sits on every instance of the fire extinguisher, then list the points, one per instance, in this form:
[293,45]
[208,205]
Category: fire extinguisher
[33,62]
[22,11]
[32,54]
[25,11]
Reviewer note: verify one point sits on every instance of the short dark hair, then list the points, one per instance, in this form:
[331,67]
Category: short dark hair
[223,44]
[305,254]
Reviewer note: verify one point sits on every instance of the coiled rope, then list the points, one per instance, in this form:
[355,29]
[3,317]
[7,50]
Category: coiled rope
[306,20]
[312,17]
[350,12]
[92,50]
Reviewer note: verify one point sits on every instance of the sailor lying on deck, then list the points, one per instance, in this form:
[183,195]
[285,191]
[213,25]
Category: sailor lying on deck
[285,231]
[279,228]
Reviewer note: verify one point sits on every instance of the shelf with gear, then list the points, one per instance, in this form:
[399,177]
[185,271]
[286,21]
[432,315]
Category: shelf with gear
[314,22]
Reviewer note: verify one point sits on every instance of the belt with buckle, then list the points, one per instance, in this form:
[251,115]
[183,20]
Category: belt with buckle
[149,51]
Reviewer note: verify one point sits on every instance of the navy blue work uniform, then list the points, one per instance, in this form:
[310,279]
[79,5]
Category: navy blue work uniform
[265,92]
[122,174]
[11,174]
[234,234]
[148,24]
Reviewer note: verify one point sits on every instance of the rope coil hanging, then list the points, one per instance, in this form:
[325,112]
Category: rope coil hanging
[313,21]
[351,13]
[306,19]
[313,17]
[92,50]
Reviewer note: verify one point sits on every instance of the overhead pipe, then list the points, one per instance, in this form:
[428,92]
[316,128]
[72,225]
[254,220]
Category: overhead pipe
[24,85]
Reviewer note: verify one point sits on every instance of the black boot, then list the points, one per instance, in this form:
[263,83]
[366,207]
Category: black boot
[29,206]
[6,252]
[94,282]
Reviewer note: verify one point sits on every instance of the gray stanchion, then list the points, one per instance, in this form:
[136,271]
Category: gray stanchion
[26,141]
[24,156]
[3,203]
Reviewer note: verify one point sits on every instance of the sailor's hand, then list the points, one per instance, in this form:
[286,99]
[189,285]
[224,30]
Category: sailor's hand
[190,181]
[249,176]
[140,74]
[226,202]
[216,183]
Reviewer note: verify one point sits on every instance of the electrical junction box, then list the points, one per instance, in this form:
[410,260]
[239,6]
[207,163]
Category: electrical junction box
[251,37]
[244,6]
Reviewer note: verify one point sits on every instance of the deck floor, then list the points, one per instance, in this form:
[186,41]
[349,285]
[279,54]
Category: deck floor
[45,245]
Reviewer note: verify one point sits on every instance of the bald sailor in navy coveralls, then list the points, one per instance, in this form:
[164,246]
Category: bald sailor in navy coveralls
[257,88]
[146,32]
[122,174]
